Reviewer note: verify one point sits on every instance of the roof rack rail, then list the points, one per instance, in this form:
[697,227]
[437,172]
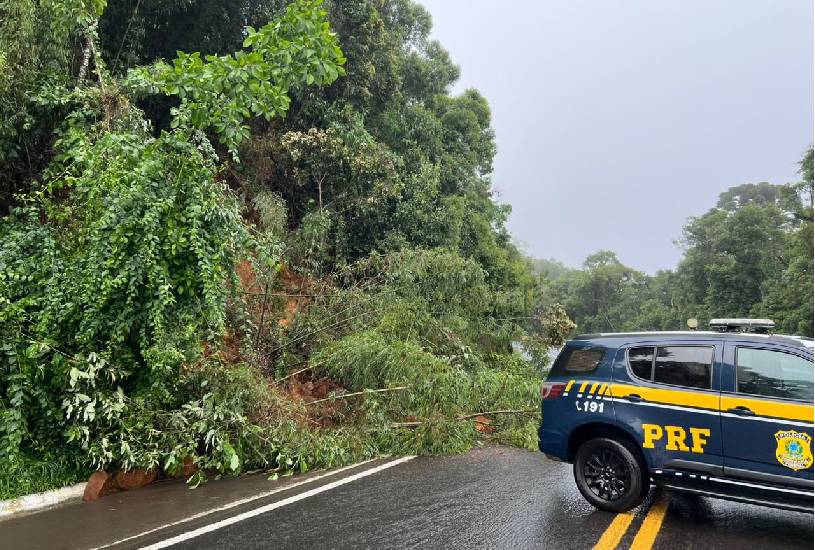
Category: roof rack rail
[758,326]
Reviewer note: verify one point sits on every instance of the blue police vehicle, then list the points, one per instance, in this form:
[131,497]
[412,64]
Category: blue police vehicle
[726,413]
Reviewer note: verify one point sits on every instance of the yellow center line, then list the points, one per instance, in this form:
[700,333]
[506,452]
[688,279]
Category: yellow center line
[614,533]
[647,535]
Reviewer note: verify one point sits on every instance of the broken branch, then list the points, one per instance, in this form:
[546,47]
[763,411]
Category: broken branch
[465,417]
[304,369]
[363,392]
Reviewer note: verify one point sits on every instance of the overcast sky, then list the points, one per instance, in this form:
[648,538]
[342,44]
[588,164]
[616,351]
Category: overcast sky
[617,120]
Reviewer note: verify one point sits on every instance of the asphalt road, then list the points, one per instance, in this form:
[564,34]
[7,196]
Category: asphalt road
[488,498]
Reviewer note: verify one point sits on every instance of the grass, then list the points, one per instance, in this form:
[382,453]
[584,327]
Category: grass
[26,476]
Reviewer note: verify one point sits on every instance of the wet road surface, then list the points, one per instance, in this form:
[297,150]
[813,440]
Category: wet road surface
[489,498]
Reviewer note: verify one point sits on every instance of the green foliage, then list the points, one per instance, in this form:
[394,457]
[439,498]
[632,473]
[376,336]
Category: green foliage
[524,436]
[26,476]
[128,338]
[221,92]
[42,43]
[750,256]
[136,34]
[271,211]
[604,296]
[116,291]
[435,388]
[786,297]
[117,267]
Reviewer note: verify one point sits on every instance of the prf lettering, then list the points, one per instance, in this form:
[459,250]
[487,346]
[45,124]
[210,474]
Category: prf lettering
[676,438]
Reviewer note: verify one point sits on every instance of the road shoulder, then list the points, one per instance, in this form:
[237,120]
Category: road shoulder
[134,519]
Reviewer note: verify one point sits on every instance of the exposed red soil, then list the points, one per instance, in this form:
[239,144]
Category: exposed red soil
[484,424]
[326,413]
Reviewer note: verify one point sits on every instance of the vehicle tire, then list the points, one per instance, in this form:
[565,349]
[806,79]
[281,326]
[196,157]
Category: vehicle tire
[609,475]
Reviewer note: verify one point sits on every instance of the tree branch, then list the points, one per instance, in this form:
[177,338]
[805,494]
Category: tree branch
[485,413]
[86,57]
[466,417]
[347,395]
[309,367]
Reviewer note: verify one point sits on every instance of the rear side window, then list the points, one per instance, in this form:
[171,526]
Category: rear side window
[684,366]
[642,362]
[773,374]
[688,366]
[578,360]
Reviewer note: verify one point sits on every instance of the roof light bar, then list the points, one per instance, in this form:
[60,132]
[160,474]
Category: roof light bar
[759,326]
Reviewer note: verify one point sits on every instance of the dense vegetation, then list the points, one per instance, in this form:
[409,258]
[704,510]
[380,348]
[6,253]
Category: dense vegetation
[261,234]
[280,252]
[749,256]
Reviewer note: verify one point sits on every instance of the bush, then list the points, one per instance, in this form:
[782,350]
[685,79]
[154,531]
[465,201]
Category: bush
[127,338]
[435,391]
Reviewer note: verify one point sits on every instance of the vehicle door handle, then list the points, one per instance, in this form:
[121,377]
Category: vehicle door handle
[741,411]
[634,398]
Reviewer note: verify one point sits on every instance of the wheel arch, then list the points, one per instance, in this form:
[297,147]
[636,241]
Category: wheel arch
[591,430]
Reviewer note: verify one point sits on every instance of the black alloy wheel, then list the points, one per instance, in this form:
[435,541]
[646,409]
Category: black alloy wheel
[606,474]
[609,475]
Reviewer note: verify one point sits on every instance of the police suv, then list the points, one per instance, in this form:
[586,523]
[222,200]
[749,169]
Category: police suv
[726,413]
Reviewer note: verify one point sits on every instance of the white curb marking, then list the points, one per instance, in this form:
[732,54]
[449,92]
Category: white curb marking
[38,501]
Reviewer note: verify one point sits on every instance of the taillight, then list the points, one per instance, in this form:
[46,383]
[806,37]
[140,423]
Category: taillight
[551,390]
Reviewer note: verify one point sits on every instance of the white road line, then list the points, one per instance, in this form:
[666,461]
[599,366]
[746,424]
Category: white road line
[269,507]
[236,503]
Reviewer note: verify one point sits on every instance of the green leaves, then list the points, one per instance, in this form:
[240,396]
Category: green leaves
[231,458]
[117,280]
[221,92]
[749,256]
[118,290]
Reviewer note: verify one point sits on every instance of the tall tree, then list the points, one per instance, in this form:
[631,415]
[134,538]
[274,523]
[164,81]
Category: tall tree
[788,298]
[750,255]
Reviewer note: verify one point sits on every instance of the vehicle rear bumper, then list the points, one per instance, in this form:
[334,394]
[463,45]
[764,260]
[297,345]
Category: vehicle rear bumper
[552,443]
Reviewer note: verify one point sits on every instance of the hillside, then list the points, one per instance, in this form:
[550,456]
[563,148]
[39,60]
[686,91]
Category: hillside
[249,235]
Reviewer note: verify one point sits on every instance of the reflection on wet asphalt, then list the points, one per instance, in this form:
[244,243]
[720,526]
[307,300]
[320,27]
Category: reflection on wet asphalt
[701,522]
[489,498]
[493,497]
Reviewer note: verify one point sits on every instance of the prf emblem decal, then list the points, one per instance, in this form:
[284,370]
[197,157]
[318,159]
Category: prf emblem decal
[794,449]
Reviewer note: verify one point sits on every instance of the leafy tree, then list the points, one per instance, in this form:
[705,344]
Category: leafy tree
[118,265]
[788,298]
[759,194]
[751,255]
[550,269]
[173,168]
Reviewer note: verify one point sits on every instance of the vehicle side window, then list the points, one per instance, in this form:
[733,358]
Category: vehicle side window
[688,366]
[584,360]
[773,374]
[684,366]
[580,360]
[641,361]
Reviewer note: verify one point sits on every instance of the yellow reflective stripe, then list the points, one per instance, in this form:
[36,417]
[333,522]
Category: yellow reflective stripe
[583,387]
[594,387]
[670,397]
[764,407]
[569,385]
[603,389]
